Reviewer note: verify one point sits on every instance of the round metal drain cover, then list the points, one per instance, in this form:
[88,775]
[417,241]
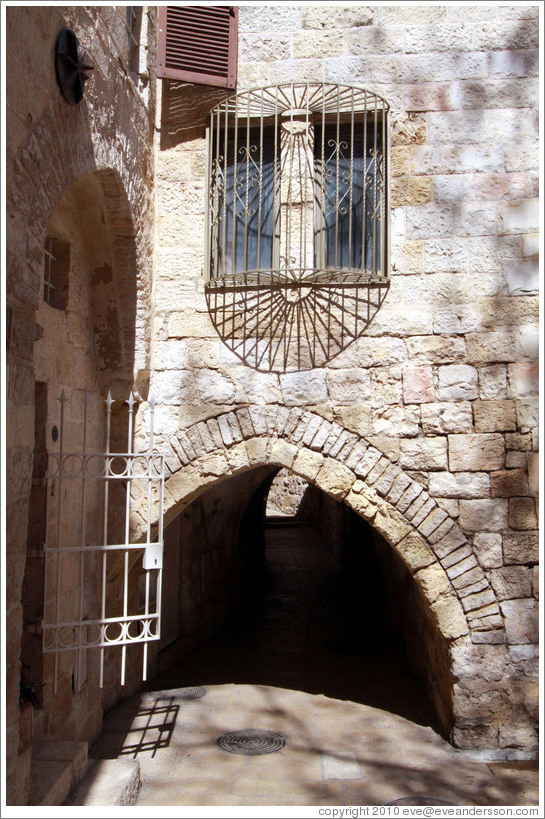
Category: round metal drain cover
[420,800]
[194,692]
[252,741]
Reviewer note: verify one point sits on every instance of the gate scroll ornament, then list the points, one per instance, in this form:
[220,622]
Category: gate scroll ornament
[92,599]
[298,204]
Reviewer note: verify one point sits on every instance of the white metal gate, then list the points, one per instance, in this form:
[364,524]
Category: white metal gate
[102,583]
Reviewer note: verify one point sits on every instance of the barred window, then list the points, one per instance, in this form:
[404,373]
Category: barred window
[56,272]
[133,26]
[298,182]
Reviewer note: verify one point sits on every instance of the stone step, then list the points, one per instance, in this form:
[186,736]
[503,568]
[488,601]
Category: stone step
[108,782]
[55,769]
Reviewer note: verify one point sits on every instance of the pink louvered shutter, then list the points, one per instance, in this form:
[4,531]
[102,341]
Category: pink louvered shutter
[198,44]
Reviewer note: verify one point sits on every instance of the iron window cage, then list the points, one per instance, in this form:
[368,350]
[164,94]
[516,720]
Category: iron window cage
[298,186]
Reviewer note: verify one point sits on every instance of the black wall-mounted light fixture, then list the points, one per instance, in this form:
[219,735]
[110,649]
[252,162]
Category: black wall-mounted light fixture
[71,66]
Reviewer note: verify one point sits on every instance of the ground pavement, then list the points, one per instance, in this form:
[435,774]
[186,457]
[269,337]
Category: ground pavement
[356,725]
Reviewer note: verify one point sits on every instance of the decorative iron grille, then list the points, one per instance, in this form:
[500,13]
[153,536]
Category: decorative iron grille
[298,183]
[298,200]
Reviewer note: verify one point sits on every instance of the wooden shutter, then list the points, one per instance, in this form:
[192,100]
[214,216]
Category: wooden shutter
[198,44]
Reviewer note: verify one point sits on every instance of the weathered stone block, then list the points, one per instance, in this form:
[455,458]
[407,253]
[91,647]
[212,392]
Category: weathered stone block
[457,382]
[304,388]
[488,549]
[450,617]
[522,513]
[257,450]
[429,519]
[310,43]
[348,386]
[418,385]
[433,581]
[522,217]
[283,453]
[523,379]
[429,220]
[415,552]
[459,484]
[334,478]
[495,415]
[357,419]
[476,452]
[521,621]
[479,600]
[511,582]
[463,319]
[308,464]
[521,547]
[516,460]
[493,381]
[364,501]
[509,483]
[444,417]
[237,456]
[396,420]
[488,348]
[392,525]
[213,464]
[423,453]
[331,17]
[483,515]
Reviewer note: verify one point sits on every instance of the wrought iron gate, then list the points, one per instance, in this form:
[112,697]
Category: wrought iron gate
[102,583]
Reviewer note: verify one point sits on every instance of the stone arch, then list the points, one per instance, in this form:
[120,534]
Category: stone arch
[348,468]
[61,150]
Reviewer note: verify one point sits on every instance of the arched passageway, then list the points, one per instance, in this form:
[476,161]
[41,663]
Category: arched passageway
[459,602]
[318,602]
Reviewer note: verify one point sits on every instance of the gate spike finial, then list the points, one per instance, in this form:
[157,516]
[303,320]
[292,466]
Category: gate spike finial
[131,400]
[109,400]
[63,399]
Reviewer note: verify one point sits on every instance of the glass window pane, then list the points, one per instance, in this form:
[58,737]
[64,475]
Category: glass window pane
[249,207]
[347,188]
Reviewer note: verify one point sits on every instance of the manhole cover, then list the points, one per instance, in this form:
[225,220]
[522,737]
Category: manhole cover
[252,741]
[420,800]
[194,692]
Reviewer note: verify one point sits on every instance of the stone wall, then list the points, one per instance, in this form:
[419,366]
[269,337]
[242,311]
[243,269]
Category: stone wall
[426,425]
[85,170]
[444,381]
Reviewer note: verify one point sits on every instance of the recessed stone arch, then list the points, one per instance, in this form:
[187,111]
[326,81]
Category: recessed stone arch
[461,604]
[44,170]
[348,468]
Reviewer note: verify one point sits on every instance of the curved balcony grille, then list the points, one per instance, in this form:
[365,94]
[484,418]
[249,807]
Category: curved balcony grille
[298,184]
[298,203]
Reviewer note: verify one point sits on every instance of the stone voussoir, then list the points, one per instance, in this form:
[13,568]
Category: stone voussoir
[334,478]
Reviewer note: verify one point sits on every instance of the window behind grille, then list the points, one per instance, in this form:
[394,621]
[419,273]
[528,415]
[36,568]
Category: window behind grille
[298,182]
[349,185]
[56,272]
[133,25]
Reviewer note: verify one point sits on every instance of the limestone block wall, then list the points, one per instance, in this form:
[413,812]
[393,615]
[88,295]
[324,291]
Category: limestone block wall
[444,381]
[65,164]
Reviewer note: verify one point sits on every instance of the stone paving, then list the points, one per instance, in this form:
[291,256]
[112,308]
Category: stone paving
[360,728]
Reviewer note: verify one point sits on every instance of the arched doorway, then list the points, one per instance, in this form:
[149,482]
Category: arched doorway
[84,345]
